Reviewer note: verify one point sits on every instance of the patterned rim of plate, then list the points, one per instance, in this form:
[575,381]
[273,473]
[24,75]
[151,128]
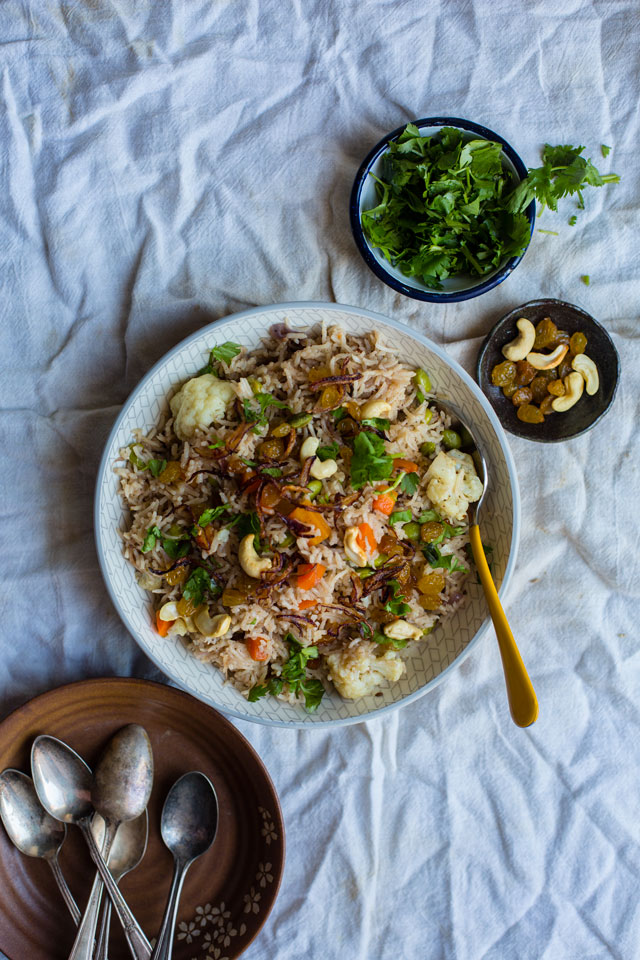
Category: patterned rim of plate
[205,684]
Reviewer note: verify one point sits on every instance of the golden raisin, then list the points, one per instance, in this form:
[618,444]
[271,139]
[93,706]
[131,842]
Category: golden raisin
[503,373]
[329,398]
[431,583]
[546,404]
[538,388]
[557,388]
[234,596]
[281,430]
[524,373]
[319,373]
[179,575]
[561,338]
[171,473]
[353,409]
[510,389]
[271,450]
[564,368]
[521,396]
[529,413]
[186,607]
[430,531]
[546,331]
[430,602]
[577,343]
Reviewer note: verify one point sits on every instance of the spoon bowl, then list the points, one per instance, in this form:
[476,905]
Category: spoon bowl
[31,829]
[523,702]
[188,826]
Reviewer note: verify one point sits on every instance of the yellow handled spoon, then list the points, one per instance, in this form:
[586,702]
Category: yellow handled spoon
[523,702]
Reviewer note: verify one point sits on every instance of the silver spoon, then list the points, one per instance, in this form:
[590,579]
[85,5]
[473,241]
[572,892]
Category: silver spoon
[523,702]
[64,783]
[32,830]
[127,851]
[188,827]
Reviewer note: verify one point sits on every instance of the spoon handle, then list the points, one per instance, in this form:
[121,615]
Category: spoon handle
[164,946]
[523,702]
[64,890]
[85,938]
[102,943]
[138,944]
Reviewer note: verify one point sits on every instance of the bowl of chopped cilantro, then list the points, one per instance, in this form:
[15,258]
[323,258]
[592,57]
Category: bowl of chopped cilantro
[433,210]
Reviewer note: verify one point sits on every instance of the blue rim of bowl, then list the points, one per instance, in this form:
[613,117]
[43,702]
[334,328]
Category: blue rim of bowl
[433,296]
[105,465]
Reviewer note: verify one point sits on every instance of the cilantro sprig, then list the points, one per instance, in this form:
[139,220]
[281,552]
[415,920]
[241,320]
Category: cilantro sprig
[175,547]
[293,673]
[154,466]
[198,585]
[438,560]
[564,172]
[221,354]
[258,414]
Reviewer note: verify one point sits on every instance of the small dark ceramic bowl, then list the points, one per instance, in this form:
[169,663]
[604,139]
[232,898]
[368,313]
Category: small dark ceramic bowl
[363,197]
[588,410]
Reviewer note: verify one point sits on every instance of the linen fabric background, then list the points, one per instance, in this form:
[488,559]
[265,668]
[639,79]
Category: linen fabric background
[167,164]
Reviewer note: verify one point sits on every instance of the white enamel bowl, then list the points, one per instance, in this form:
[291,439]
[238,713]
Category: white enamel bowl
[429,661]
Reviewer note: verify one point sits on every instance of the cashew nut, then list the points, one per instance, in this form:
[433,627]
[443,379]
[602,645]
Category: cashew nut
[354,551]
[251,563]
[308,448]
[179,627]
[520,347]
[212,626]
[401,630]
[322,469]
[547,361]
[574,385]
[168,612]
[585,365]
[374,408]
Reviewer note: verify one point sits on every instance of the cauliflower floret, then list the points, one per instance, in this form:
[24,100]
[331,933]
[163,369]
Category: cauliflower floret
[453,484]
[200,401]
[357,672]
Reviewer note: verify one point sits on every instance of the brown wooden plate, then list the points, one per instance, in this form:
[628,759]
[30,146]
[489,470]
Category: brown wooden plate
[228,892]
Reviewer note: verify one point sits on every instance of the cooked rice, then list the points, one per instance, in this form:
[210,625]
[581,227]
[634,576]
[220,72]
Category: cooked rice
[282,366]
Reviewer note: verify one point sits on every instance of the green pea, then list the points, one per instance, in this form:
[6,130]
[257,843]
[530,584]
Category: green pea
[364,572]
[427,449]
[451,440]
[412,530]
[288,540]
[379,560]
[300,420]
[315,486]
[428,415]
[255,384]
[175,530]
[422,382]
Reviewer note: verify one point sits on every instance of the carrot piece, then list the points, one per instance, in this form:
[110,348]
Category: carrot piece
[366,537]
[312,519]
[162,626]
[307,604]
[258,648]
[385,503]
[309,574]
[407,465]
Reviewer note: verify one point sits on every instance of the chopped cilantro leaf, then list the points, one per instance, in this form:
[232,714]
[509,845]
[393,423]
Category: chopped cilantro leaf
[212,514]
[174,547]
[153,534]
[198,585]
[271,471]
[222,354]
[441,561]
[380,423]
[157,466]
[264,401]
[400,516]
[369,462]
[573,220]
[295,675]
[605,150]
[396,603]
[329,451]
[339,414]
[389,641]
[586,279]
[409,483]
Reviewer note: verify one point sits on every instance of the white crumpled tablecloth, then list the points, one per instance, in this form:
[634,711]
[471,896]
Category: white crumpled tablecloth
[166,164]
